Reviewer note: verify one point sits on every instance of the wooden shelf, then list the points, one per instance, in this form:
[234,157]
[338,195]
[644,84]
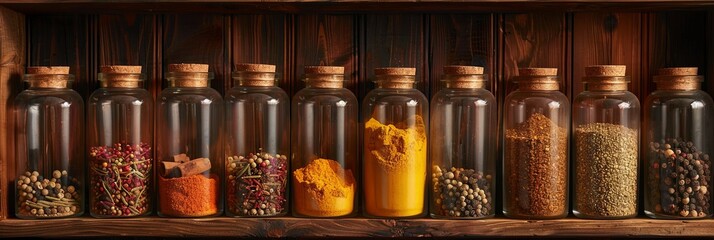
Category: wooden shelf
[355,227]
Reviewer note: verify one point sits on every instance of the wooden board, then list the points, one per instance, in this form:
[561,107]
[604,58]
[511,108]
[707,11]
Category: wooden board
[326,40]
[261,39]
[64,40]
[460,39]
[12,65]
[352,227]
[131,40]
[675,39]
[534,40]
[198,38]
[397,40]
[607,38]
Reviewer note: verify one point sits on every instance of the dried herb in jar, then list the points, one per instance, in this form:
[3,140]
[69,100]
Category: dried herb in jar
[257,184]
[120,178]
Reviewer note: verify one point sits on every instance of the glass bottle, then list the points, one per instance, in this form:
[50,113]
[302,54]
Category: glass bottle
[258,125]
[677,146]
[49,123]
[120,139]
[606,118]
[536,123]
[190,118]
[395,144]
[325,144]
[463,146]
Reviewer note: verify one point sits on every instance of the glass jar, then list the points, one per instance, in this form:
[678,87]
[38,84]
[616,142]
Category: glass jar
[463,146]
[190,117]
[258,125]
[120,139]
[678,143]
[325,144]
[606,118]
[395,144]
[536,122]
[49,123]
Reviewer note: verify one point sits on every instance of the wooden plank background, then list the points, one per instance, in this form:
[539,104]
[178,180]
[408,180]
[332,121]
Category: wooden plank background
[501,42]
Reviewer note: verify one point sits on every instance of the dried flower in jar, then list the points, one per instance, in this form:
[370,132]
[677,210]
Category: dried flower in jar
[257,184]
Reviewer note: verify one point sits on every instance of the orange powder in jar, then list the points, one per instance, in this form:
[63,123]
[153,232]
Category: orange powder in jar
[323,189]
[191,196]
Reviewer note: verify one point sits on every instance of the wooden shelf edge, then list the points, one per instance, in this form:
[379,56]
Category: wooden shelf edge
[354,227]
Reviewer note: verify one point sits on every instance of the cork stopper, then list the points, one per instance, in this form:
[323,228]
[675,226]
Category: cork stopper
[254,75]
[188,67]
[325,76]
[120,76]
[48,76]
[678,78]
[395,77]
[538,79]
[189,75]
[605,78]
[464,76]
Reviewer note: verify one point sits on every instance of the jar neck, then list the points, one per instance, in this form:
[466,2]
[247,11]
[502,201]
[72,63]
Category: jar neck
[465,81]
[331,81]
[537,83]
[189,79]
[678,83]
[605,83]
[254,79]
[395,81]
[119,80]
[56,81]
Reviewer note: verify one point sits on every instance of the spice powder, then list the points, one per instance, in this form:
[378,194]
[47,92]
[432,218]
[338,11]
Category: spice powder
[323,188]
[191,196]
[394,169]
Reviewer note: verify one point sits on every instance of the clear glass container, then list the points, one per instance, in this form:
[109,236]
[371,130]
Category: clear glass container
[120,139]
[49,124]
[677,146]
[325,144]
[463,146]
[606,122]
[536,122]
[189,144]
[258,143]
[395,116]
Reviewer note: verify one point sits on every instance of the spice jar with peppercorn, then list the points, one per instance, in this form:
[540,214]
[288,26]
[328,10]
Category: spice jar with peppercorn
[258,143]
[396,117]
[49,124]
[606,118]
[677,147]
[463,146]
[189,145]
[325,142]
[536,122]
[120,138]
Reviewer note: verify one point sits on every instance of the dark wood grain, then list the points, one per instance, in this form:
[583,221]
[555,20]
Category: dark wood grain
[534,40]
[197,39]
[460,39]
[410,6]
[676,39]
[130,40]
[352,227]
[326,40]
[607,38]
[394,40]
[12,65]
[261,39]
[64,40]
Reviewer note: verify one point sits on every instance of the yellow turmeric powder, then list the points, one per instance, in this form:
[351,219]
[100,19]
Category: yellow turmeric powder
[323,189]
[394,169]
